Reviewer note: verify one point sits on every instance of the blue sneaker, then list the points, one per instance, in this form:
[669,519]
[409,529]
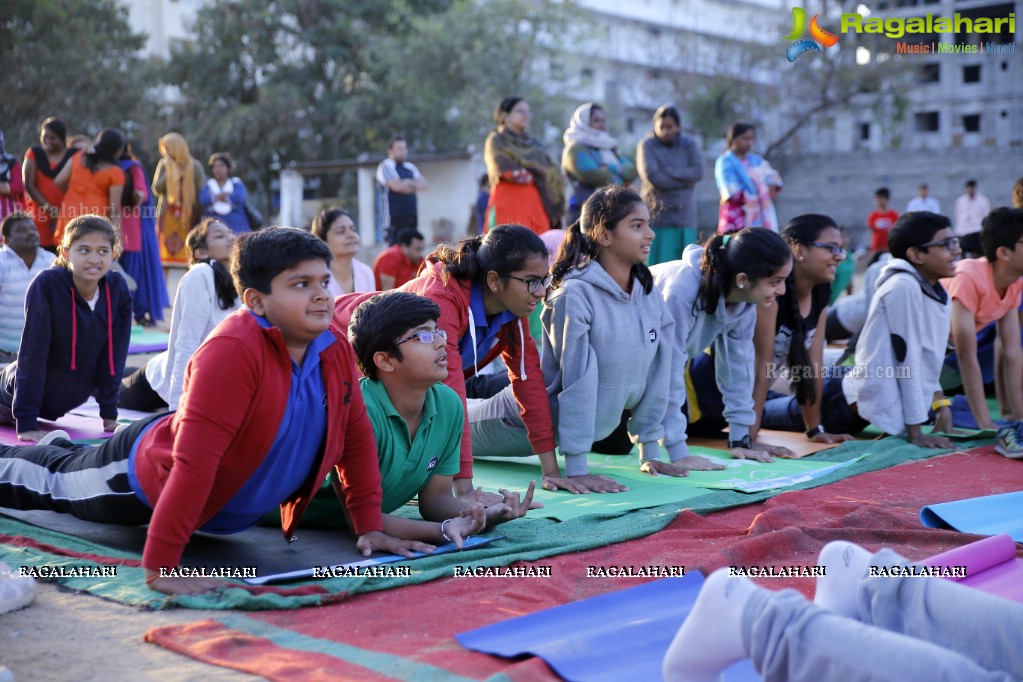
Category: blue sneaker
[1010,440]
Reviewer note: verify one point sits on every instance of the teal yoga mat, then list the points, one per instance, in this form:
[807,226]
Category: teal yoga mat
[646,490]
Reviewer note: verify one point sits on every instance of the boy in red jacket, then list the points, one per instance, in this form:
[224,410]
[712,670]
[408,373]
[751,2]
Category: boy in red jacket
[270,405]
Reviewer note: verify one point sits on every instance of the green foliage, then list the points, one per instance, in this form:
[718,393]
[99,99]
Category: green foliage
[76,59]
[323,79]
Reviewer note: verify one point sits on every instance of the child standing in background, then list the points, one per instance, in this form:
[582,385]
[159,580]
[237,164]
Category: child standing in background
[77,328]
[880,221]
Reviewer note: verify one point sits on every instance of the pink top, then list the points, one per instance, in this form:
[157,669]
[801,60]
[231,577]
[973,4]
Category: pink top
[974,287]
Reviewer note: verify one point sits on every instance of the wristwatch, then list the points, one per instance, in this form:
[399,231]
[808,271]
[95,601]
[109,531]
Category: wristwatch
[815,431]
[743,442]
[938,404]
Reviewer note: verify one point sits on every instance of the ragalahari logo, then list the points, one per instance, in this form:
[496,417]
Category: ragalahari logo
[818,36]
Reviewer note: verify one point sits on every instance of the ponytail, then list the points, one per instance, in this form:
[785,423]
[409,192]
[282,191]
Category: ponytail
[575,252]
[603,210]
[227,295]
[754,251]
[503,250]
[804,387]
[714,279]
[804,229]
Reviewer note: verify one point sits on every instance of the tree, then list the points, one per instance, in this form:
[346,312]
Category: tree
[323,79]
[76,59]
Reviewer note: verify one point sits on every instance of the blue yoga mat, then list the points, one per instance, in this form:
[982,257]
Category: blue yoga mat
[617,636]
[988,515]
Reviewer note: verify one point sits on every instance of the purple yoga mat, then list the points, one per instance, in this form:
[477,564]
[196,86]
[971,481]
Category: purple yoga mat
[991,566]
[78,427]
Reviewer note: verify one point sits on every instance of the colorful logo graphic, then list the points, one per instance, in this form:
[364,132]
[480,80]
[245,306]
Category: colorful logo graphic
[819,38]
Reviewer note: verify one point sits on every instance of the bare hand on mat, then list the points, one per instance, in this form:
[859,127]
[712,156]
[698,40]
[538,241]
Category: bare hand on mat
[760,455]
[472,521]
[110,425]
[379,541]
[928,441]
[773,450]
[686,464]
[590,483]
[464,490]
[511,507]
[825,437]
[656,467]
[184,585]
[943,422]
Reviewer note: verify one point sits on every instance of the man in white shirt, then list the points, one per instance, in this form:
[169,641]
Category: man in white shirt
[400,181]
[21,260]
[923,202]
[970,210]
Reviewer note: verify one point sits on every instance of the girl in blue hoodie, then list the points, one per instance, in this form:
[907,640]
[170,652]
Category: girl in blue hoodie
[77,327]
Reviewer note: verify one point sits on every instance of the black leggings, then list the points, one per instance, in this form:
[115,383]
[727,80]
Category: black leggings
[137,394]
[86,481]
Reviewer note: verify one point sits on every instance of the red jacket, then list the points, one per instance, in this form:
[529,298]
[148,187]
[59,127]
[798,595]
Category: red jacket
[235,391]
[514,344]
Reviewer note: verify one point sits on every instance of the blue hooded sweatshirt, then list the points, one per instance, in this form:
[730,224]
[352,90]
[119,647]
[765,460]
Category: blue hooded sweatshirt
[69,351]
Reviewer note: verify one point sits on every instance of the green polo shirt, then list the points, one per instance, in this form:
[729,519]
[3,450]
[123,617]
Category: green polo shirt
[406,463]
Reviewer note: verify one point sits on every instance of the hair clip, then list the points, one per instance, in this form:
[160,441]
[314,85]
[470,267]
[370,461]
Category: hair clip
[724,241]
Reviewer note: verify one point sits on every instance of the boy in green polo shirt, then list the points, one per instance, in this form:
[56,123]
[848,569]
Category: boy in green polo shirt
[417,420]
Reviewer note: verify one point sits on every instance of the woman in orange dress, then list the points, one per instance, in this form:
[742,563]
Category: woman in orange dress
[39,171]
[94,182]
[526,187]
[177,182]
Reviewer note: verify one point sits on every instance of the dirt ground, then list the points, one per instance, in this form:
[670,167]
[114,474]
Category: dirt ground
[68,636]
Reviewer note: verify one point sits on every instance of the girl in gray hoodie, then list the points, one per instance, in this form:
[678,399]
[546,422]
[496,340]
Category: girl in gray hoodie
[714,293]
[607,346]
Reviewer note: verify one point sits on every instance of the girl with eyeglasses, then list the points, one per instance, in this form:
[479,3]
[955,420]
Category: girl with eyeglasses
[485,286]
[790,339]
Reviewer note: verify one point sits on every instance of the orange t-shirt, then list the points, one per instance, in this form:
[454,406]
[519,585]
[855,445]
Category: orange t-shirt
[974,287]
[87,192]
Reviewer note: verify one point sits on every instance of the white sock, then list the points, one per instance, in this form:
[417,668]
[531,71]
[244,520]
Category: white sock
[710,639]
[836,590]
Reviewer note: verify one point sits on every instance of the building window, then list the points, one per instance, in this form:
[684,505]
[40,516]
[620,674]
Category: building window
[926,122]
[929,73]
[971,123]
[971,74]
[864,131]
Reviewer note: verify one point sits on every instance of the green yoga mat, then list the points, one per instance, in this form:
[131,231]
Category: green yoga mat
[527,539]
[646,490]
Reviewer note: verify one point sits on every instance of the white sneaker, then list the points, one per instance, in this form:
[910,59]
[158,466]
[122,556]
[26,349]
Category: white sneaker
[16,591]
[52,436]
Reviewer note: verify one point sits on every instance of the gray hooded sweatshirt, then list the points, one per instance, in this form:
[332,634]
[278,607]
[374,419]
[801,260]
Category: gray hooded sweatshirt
[729,330]
[901,350]
[605,351]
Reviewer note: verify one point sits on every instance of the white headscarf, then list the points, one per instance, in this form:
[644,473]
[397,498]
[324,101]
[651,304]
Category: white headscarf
[579,130]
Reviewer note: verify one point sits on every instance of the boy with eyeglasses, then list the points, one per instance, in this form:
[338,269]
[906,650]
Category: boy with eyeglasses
[894,383]
[417,421]
[984,291]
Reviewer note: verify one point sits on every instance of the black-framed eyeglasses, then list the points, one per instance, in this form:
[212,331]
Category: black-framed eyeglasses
[951,243]
[535,284]
[425,336]
[835,249]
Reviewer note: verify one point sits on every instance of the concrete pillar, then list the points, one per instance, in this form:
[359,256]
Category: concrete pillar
[291,198]
[367,206]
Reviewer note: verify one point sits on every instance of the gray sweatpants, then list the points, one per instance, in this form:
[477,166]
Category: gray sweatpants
[926,629]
